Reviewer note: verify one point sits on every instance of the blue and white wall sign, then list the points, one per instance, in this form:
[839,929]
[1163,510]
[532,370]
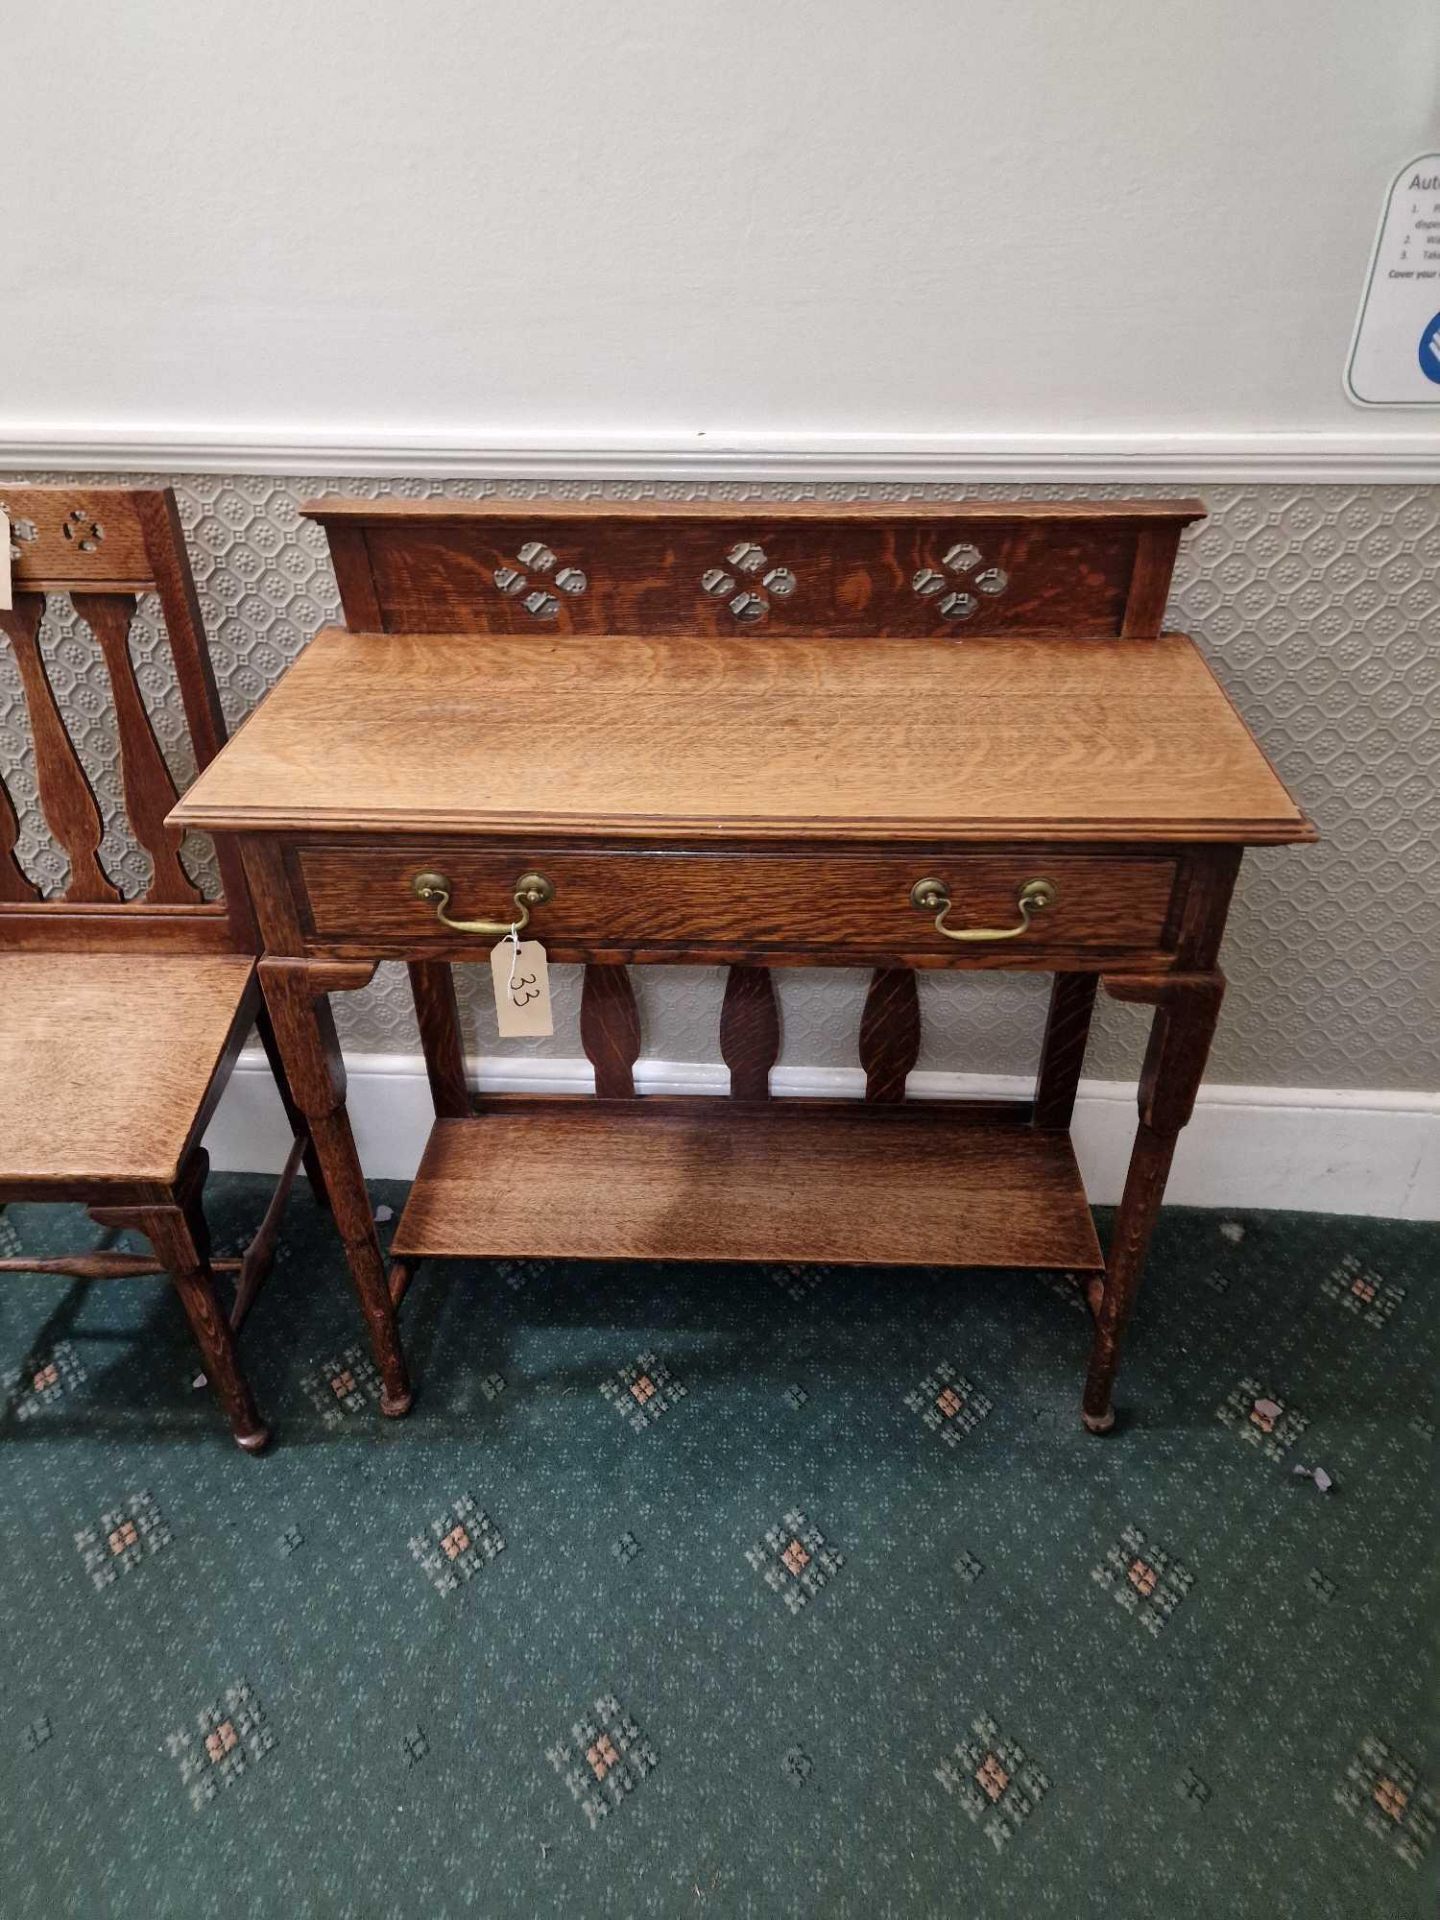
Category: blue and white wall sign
[1395,355]
[1430,351]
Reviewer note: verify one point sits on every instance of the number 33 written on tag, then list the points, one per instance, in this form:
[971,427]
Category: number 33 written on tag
[521,975]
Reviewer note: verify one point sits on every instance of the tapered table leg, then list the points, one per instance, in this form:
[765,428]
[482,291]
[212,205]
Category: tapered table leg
[1186,1009]
[292,1113]
[295,992]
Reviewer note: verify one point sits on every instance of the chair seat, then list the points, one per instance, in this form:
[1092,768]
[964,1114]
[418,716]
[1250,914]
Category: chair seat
[106,1060]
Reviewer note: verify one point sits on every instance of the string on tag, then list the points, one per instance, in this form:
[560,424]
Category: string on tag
[514,938]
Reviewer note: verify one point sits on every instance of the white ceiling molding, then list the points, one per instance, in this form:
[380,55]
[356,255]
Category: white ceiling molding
[1374,457]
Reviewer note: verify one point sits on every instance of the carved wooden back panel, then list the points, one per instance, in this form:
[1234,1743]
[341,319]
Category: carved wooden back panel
[104,547]
[1098,568]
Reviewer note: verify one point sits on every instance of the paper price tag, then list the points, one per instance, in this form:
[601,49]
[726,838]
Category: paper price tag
[522,988]
[7,598]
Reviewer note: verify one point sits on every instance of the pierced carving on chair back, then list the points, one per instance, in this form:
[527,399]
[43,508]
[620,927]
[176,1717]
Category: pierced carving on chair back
[104,548]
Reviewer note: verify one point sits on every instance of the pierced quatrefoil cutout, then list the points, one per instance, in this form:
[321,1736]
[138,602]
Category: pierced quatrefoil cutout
[538,601]
[953,585]
[748,582]
[23,533]
[85,532]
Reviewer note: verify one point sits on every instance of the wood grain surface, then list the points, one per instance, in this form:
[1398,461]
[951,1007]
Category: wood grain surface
[734,899]
[437,1014]
[1186,1010]
[835,577]
[104,547]
[148,787]
[889,1033]
[498,566]
[106,1060]
[1062,1053]
[804,1180]
[610,1030]
[352,509]
[67,799]
[720,737]
[89,537]
[750,1031]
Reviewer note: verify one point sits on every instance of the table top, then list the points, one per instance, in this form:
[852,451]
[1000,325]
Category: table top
[685,737]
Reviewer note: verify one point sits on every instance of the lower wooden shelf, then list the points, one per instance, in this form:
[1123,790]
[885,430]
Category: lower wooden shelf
[710,1179]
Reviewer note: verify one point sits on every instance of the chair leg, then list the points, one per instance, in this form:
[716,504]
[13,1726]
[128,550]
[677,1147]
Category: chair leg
[299,1126]
[176,1229]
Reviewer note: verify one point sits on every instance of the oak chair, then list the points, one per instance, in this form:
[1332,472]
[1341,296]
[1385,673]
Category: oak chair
[120,1019]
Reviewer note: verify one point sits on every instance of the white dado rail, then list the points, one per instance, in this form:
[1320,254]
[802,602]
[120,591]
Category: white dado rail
[1401,455]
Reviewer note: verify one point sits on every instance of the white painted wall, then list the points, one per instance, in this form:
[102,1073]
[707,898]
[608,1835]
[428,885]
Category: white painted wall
[500,218]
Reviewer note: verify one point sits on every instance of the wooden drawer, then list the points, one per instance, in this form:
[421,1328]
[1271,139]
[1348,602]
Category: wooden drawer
[671,903]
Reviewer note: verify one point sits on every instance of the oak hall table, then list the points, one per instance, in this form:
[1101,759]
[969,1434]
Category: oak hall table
[890,736]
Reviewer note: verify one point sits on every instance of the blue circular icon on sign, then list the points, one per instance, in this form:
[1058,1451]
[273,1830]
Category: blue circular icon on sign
[1430,351]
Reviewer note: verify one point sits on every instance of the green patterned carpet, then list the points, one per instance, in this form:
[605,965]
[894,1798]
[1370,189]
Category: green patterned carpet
[728,1592]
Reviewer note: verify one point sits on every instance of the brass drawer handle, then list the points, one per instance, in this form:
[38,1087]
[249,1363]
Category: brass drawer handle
[531,890]
[929,895]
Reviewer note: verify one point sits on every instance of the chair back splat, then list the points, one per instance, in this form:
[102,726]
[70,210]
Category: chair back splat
[104,548]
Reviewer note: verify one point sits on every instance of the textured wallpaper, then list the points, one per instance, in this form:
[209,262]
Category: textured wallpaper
[1320,607]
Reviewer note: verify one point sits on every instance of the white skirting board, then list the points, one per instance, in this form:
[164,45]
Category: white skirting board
[1313,1149]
